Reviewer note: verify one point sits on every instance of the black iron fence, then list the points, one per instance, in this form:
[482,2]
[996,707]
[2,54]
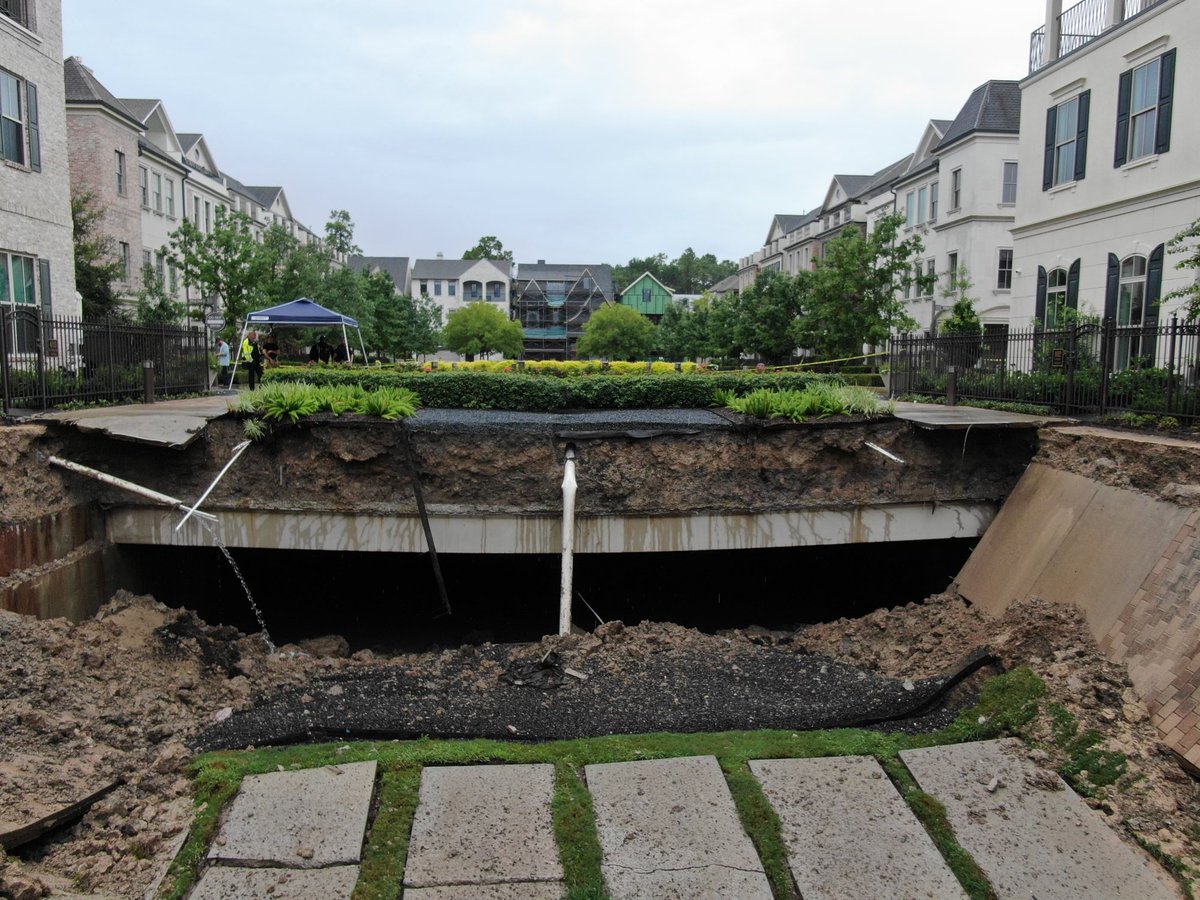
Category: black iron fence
[46,361]
[1091,369]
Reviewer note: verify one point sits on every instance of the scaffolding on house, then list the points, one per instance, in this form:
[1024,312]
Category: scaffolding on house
[552,313]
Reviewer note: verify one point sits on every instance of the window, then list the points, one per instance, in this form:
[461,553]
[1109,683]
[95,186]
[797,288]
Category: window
[910,212]
[930,276]
[174,276]
[1056,298]
[1131,308]
[120,173]
[171,197]
[16,10]
[196,211]
[16,280]
[956,189]
[1008,193]
[123,256]
[496,290]
[156,191]
[933,201]
[586,281]
[19,122]
[951,272]
[424,288]
[922,201]
[207,216]
[146,260]
[647,295]
[473,290]
[453,285]
[437,288]
[1066,141]
[1004,270]
[144,184]
[1144,101]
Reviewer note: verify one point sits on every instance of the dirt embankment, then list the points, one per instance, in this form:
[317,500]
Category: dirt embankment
[1165,467]
[31,487]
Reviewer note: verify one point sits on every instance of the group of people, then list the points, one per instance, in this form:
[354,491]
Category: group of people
[259,354]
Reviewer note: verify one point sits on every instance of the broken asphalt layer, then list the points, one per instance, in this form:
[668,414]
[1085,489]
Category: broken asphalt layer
[773,689]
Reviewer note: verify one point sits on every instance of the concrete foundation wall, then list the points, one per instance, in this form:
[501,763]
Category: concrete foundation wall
[1128,560]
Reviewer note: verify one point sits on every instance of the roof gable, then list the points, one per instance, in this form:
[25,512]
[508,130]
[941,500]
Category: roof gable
[196,151]
[81,87]
[633,284]
[159,130]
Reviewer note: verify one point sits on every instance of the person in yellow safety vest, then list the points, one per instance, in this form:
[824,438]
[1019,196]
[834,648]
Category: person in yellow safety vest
[253,355]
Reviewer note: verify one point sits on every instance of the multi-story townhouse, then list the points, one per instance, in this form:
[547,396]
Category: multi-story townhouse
[1108,170]
[102,142]
[36,251]
[554,301]
[453,283]
[960,194]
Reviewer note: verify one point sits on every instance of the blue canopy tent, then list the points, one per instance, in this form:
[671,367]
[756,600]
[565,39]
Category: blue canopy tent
[303,311]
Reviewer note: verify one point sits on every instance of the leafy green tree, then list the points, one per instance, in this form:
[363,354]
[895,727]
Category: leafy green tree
[406,326]
[1187,243]
[962,319]
[155,305]
[616,331]
[856,292]
[339,234]
[478,329]
[489,247]
[687,274]
[768,322]
[97,267]
[673,340]
[227,262]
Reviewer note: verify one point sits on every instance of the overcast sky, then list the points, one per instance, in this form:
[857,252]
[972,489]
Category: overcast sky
[574,130]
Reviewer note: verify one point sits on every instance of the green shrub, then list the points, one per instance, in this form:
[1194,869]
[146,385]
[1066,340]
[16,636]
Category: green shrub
[819,399]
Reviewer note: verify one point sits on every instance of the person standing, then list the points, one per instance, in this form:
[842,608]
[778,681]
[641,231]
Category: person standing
[223,360]
[253,354]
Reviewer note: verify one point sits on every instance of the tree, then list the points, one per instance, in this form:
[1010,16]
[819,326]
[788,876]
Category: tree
[856,294]
[769,315]
[962,319]
[1187,242]
[616,331]
[673,342]
[406,326]
[155,305]
[339,235]
[478,329]
[489,247]
[227,262]
[97,266]
[687,274]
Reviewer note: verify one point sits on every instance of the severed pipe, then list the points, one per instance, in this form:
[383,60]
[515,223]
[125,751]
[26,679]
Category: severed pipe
[237,451]
[568,542]
[125,485]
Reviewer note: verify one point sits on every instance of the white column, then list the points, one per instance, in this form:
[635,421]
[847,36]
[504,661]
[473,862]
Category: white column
[1114,13]
[1053,12]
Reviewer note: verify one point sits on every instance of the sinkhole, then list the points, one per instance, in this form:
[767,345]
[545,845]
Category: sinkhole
[390,602]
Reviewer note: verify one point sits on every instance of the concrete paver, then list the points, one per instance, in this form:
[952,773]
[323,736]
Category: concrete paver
[306,818]
[525,890]
[849,833]
[484,826]
[1031,834]
[240,883]
[669,828]
[934,415]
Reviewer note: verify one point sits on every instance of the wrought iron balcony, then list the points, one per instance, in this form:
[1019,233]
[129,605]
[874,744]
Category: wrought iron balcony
[1076,26]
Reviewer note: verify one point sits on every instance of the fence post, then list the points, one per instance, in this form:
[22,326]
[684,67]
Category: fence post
[952,385]
[1072,348]
[111,358]
[1106,352]
[4,354]
[1171,363]
[148,381]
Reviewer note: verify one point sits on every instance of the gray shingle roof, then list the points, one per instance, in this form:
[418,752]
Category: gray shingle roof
[993,106]
[234,185]
[447,268]
[942,124]
[728,283]
[154,150]
[141,109]
[264,196]
[886,176]
[601,272]
[188,141]
[791,223]
[396,266]
[82,86]
[853,185]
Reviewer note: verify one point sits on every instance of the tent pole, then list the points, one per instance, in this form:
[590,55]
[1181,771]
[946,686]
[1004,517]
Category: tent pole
[362,345]
[233,371]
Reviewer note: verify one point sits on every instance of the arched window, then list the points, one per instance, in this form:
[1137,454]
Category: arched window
[1056,298]
[1131,309]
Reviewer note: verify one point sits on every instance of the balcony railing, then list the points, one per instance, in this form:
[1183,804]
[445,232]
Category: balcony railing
[1078,25]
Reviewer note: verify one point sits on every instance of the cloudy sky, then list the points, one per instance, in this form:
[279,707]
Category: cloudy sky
[575,130]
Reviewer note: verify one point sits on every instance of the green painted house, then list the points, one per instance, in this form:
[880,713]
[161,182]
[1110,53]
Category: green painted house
[648,295]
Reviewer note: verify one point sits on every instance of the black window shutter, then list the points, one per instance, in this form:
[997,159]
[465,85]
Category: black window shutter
[44,282]
[1073,285]
[1166,91]
[1112,287]
[1124,99]
[1040,309]
[1154,273]
[1048,162]
[35,132]
[1085,102]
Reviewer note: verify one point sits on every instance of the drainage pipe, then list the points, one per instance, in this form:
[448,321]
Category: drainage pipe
[126,485]
[237,451]
[568,542]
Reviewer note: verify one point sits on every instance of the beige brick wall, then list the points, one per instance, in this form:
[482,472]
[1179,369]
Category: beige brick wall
[35,207]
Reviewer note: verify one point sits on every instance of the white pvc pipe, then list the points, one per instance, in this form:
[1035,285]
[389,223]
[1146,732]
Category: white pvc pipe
[126,485]
[237,451]
[568,543]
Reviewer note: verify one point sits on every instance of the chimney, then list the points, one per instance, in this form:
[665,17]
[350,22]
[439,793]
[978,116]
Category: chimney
[541,262]
[441,255]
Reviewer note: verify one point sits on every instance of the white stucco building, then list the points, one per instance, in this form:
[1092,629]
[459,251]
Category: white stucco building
[37,263]
[1109,166]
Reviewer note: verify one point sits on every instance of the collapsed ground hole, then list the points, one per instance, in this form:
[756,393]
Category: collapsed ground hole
[389,601]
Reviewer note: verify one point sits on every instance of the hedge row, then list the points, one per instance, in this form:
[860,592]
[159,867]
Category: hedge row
[473,390]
